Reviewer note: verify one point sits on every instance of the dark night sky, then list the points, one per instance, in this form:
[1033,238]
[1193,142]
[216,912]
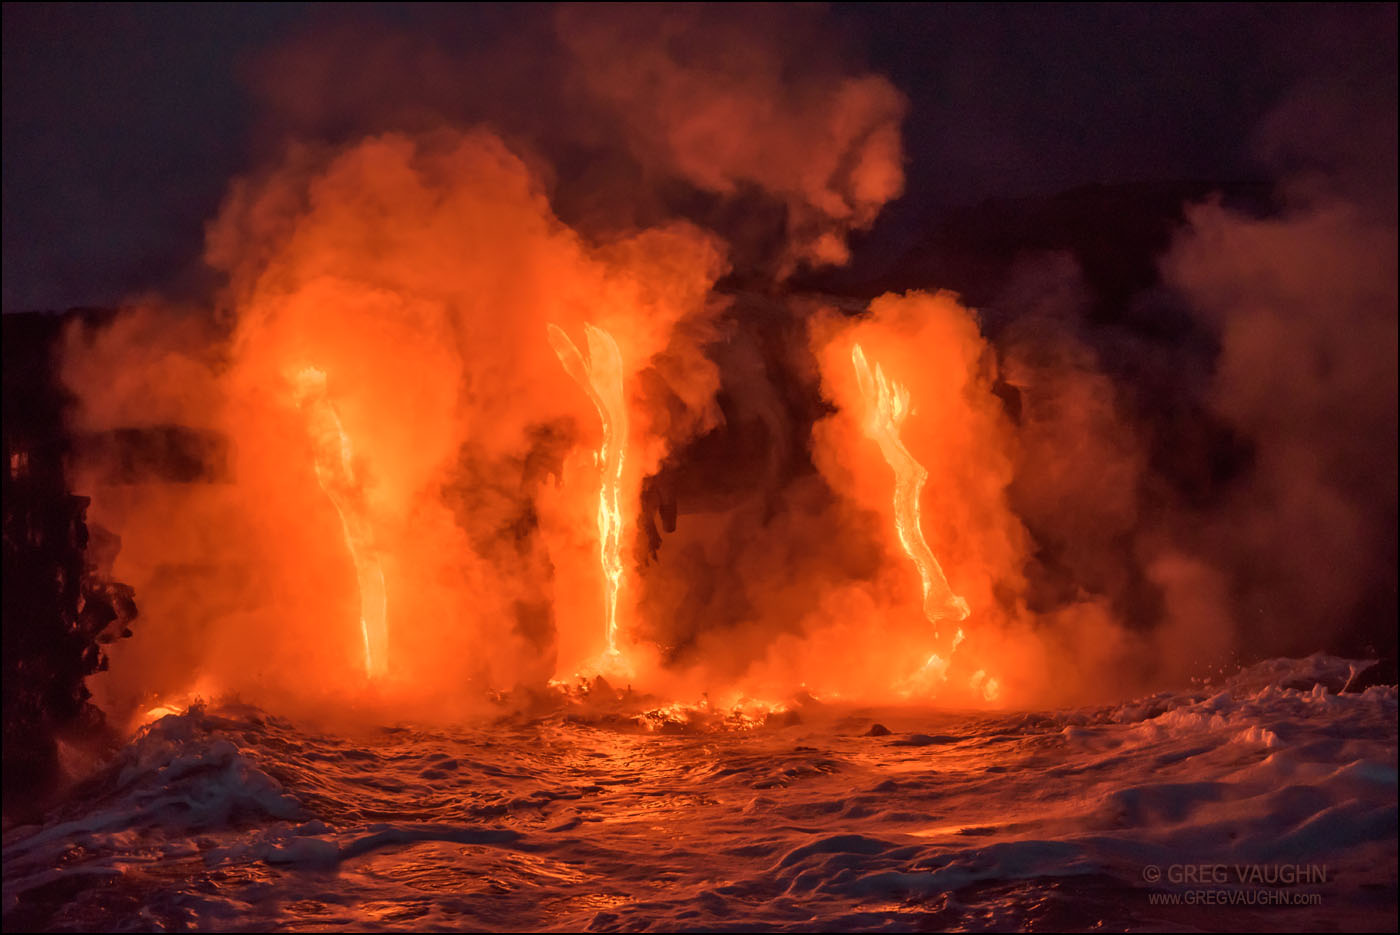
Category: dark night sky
[124,123]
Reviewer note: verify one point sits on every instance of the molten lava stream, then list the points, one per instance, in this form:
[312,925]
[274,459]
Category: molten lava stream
[601,378]
[335,472]
[887,403]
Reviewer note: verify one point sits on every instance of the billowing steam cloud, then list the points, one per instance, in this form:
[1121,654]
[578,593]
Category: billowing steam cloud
[713,99]
[1304,306]
[420,276]
[742,119]
[419,270]
[420,238]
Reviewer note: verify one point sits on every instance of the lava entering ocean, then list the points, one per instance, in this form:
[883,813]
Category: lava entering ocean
[336,473]
[430,428]
[600,376]
[888,404]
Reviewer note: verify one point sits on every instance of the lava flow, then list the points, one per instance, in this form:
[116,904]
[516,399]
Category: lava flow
[888,405]
[601,378]
[336,474]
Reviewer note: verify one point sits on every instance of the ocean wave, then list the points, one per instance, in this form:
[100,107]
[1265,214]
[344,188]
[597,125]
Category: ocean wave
[229,818]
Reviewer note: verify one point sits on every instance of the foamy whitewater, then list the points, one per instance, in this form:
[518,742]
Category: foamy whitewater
[1274,791]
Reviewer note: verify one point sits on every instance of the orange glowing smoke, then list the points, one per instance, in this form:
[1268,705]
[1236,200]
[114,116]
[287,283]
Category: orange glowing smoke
[887,403]
[335,471]
[601,378]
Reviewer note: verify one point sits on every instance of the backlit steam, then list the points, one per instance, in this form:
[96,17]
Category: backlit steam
[887,403]
[335,471]
[388,286]
[601,378]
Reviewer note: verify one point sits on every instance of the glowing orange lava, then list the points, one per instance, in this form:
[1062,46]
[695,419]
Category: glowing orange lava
[336,474]
[887,403]
[601,378]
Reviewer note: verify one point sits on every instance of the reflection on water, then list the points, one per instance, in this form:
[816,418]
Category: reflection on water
[225,818]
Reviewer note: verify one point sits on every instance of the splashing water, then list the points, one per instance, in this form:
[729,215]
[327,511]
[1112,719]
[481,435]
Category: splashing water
[604,814]
[336,474]
[601,378]
[887,403]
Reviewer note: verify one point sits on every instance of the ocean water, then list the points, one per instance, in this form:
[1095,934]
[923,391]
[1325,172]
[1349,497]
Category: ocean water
[1267,802]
